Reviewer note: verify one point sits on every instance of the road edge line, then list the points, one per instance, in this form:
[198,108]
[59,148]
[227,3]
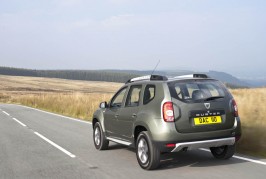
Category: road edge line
[240,158]
[55,145]
[59,115]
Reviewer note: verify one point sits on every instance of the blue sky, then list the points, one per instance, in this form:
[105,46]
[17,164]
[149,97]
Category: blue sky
[223,35]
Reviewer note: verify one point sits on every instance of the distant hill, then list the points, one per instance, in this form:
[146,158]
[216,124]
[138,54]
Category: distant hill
[88,75]
[115,75]
[227,78]
[259,82]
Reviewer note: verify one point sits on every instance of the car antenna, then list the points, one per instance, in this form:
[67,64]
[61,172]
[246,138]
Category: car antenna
[155,67]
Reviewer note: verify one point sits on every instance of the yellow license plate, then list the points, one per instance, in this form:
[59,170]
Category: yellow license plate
[208,120]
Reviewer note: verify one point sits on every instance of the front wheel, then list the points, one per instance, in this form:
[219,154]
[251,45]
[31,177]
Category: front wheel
[223,152]
[100,141]
[148,155]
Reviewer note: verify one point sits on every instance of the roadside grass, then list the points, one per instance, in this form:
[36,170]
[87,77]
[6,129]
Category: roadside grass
[75,105]
[252,111]
[80,99]
[72,98]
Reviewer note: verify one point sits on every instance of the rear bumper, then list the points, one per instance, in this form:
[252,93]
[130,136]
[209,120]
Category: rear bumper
[165,133]
[204,144]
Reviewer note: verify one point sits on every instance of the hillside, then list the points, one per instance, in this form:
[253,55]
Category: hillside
[228,79]
[88,75]
[24,85]
[114,75]
[256,82]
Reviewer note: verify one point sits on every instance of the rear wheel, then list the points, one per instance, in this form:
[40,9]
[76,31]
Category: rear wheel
[148,155]
[223,152]
[100,141]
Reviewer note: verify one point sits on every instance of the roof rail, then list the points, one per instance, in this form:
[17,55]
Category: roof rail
[148,77]
[195,75]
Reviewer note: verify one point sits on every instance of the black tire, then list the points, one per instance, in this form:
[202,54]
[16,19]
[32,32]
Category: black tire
[150,151]
[223,152]
[100,143]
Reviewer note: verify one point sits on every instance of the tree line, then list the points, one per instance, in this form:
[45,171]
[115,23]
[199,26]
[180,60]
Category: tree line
[88,75]
[120,76]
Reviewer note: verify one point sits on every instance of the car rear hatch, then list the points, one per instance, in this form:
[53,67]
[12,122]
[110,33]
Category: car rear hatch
[201,105]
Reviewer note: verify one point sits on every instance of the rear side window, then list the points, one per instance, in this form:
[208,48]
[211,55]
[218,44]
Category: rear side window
[197,90]
[149,94]
[133,97]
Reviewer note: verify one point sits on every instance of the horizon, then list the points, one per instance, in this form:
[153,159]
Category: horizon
[149,70]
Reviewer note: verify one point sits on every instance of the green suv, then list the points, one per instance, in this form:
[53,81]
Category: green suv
[156,114]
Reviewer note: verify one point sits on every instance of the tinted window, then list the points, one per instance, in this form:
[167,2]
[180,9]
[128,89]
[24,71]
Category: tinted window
[149,94]
[133,97]
[118,99]
[196,90]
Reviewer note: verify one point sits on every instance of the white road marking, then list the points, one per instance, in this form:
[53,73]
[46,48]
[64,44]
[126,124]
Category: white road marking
[73,119]
[55,145]
[250,160]
[6,113]
[19,122]
[241,158]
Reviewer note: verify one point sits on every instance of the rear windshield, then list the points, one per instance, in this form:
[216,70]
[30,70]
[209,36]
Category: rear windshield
[197,90]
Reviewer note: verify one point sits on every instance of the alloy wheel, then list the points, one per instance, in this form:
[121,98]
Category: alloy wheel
[143,150]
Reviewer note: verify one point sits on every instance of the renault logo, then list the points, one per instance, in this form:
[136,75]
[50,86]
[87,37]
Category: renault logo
[207,105]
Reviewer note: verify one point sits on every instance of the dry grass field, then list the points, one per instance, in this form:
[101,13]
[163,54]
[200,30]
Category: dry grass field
[68,97]
[252,110]
[80,98]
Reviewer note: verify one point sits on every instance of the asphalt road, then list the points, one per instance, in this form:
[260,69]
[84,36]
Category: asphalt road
[36,144]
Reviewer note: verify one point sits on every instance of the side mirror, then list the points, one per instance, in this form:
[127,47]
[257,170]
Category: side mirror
[103,105]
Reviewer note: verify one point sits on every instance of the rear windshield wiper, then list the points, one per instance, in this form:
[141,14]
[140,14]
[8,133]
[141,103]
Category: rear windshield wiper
[213,97]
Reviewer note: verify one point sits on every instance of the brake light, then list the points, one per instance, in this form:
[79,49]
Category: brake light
[170,145]
[235,108]
[168,112]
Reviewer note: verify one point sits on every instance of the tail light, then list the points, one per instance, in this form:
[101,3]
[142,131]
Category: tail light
[168,112]
[170,145]
[235,109]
